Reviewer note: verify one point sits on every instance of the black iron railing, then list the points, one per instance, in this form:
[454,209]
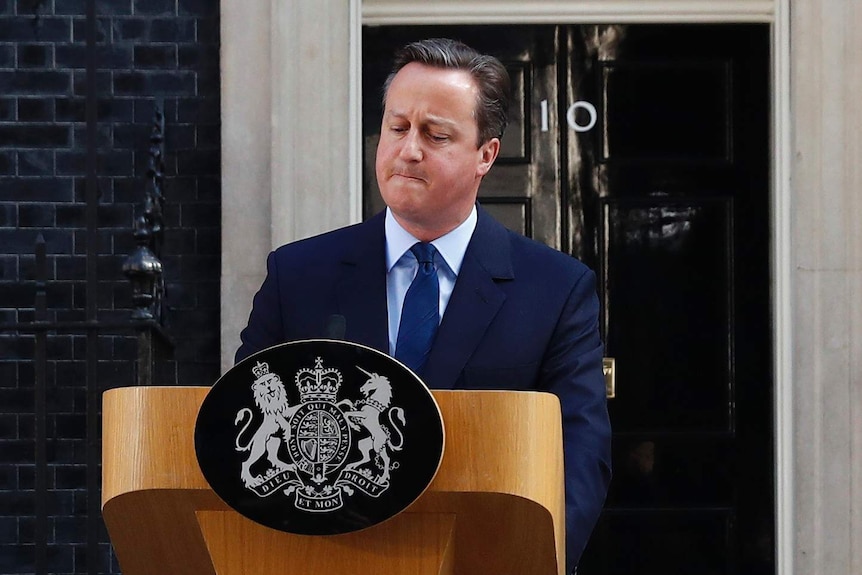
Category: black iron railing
[143,268]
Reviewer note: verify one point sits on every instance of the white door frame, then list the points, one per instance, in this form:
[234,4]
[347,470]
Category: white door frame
[292,153]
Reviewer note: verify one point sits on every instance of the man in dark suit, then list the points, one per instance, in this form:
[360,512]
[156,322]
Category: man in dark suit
[508,312]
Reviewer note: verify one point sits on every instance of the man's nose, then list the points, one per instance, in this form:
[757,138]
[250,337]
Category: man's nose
[411,146]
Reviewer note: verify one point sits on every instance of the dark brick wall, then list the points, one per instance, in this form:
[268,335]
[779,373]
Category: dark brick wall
[147,51]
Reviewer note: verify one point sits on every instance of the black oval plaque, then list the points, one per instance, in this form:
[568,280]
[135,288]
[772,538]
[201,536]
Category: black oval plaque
[319,437]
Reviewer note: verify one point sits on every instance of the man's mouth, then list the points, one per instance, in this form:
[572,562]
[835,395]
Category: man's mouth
[410,176]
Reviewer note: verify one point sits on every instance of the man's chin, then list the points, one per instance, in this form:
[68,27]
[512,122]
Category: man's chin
[404,193]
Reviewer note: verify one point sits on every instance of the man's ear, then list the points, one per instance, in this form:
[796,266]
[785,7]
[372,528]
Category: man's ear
[488,153]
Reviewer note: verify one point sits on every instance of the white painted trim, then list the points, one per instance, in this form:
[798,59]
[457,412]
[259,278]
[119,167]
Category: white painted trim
[355,116]
[782,294]
[246,149]
[389,12]
[311,126]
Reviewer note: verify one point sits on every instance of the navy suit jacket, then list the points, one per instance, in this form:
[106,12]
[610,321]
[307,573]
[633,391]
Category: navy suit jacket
[522,316]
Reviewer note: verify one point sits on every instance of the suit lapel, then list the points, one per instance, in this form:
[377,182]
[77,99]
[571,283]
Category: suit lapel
[475,301]
[361,286]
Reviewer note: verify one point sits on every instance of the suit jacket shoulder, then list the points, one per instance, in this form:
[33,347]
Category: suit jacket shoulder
[342,272]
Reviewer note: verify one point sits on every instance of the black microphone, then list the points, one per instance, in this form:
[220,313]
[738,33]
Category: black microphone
[336,327]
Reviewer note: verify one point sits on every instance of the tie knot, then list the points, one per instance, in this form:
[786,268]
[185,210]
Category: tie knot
[424,252]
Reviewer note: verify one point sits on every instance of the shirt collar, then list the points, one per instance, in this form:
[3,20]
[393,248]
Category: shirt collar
[451,246]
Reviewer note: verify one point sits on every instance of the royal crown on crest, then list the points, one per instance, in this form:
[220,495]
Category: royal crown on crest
[260,370]
[318,384]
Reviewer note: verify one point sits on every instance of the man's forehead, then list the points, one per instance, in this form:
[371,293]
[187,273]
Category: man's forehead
[416,76]
[445,102]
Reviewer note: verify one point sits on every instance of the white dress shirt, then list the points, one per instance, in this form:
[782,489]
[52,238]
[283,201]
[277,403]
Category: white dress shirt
[401,265]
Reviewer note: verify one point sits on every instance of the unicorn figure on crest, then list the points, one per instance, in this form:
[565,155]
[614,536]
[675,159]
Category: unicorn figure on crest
[377,391]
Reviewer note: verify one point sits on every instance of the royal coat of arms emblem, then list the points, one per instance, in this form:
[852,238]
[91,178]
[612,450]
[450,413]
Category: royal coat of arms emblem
[319,433]
[319,436]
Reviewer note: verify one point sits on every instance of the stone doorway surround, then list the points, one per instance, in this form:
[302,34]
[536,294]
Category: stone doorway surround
[291,167]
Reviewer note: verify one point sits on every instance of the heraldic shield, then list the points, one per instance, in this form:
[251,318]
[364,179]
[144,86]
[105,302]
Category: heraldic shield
[319,437]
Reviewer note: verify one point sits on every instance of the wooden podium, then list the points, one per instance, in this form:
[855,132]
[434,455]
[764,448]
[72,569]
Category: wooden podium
[496,505]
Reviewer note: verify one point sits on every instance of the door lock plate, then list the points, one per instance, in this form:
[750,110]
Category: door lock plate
[608,368]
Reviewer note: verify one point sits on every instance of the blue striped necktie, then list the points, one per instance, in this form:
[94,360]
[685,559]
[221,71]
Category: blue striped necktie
[420,314]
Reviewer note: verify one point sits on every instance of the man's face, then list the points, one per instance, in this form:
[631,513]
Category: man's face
[428,165]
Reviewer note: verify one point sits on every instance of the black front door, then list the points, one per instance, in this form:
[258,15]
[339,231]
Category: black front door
[644,151]
[674,192]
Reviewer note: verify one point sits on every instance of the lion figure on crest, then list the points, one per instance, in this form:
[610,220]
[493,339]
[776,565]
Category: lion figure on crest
[378,395]
[270,397]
